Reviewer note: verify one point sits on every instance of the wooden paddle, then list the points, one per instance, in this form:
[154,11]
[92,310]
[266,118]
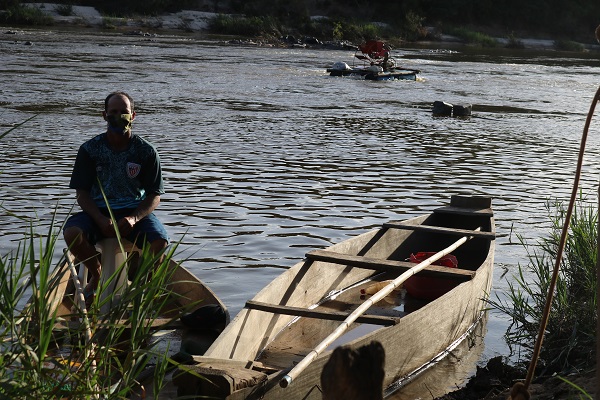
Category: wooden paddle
[310,357]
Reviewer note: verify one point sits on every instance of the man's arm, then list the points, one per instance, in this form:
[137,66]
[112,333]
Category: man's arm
[147,206]
[87,204]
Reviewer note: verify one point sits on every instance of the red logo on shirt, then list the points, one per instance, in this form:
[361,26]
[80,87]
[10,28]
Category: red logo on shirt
[133,169]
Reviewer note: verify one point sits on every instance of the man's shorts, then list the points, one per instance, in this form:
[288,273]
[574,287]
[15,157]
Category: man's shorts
[148,228]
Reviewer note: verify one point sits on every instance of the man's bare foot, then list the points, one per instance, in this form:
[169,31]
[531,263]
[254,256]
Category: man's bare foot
[89,291]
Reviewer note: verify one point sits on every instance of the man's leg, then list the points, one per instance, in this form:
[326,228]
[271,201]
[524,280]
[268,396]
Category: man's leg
[149,229]
[80,246]
[158,246]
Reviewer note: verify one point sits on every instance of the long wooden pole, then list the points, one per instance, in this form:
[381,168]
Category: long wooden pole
[88,330]
[310,357]
[598,291]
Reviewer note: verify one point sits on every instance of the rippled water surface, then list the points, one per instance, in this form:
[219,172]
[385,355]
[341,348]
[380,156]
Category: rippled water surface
[266,157]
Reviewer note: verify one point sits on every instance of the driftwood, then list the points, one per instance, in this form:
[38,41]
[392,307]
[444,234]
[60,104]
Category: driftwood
[354,374]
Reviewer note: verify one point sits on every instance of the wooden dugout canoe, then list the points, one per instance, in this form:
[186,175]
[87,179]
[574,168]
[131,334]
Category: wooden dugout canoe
[189,294]
[293,314]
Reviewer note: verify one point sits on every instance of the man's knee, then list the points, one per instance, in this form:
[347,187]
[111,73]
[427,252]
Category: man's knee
[158,245]
[73,235]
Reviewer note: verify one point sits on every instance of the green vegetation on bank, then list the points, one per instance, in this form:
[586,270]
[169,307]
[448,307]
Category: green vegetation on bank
[570,338]
[38,360]
[20,15]
[569,23]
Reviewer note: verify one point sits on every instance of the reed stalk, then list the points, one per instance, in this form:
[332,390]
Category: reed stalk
[102,360]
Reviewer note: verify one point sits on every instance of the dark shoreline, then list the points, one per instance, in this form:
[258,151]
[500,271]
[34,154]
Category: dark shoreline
[195,24]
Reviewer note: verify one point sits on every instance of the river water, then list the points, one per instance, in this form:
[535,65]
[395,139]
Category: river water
[266,157]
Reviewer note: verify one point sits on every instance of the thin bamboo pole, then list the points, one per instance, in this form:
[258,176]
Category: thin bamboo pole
[386,290]
[88,330]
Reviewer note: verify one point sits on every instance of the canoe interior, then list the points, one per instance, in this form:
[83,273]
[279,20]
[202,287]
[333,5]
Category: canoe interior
[309,284]
[288,347]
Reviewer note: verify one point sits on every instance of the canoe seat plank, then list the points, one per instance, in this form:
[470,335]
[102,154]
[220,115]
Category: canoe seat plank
[311,313]
[479,212]
[377,264]
[441,229]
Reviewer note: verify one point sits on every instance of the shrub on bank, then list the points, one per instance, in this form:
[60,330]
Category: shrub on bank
[24,15]
[570,338]
[568,45]
[324,29]
[472,37]
[244,26]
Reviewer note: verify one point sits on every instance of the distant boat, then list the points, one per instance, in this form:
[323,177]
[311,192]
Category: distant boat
[377,64]
[282,327]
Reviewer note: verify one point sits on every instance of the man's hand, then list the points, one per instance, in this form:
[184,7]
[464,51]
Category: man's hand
[106,227]
[126,225]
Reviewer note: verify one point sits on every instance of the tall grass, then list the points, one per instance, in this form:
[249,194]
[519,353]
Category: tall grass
[47,355]
[570,338]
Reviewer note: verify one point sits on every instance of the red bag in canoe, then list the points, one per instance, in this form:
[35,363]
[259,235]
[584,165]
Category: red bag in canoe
[428,288]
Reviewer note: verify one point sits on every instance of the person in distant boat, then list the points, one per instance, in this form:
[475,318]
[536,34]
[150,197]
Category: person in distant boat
[385,63]
[127,169]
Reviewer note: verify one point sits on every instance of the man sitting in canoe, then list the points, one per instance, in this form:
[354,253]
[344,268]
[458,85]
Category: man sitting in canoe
[128,168]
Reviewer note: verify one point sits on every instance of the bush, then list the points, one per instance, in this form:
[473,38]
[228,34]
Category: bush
[24,15]
[514,42]
[412,27]
[568,45]
[64,9]
[242,26]
[473,37]
[570,337]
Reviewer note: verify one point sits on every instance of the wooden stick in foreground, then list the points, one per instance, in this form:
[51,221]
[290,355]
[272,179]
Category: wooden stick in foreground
[310,357]
[88,330]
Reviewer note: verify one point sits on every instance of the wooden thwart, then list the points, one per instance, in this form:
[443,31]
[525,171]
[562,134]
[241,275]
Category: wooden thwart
[377,264]
[471,212]
[311,313]
[440,229]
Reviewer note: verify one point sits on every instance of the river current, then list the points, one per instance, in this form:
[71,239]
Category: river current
[266,157]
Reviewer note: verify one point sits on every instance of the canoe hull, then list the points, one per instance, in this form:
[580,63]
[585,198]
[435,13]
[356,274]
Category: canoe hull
[272,342]
[363,73]
[189,293]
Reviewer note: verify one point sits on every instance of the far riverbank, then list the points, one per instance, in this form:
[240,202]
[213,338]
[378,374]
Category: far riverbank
[189,22]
